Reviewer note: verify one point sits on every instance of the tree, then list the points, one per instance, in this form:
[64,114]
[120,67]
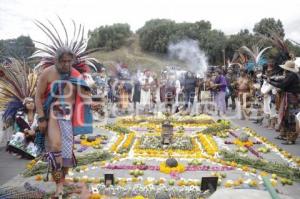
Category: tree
[155,35]
[109,37]
[25,47]
[267,25]
[21,48]
[213,46]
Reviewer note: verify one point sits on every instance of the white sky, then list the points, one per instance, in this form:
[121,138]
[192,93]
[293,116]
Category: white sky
[16,16]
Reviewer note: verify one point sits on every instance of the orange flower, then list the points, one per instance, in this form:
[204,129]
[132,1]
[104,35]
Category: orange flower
[38,177]
[244,144]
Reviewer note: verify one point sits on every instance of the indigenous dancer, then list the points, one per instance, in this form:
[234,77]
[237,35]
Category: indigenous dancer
[17,89]
[22,141]
[63,101]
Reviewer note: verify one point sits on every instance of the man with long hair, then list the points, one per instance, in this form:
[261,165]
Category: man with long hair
[63,98]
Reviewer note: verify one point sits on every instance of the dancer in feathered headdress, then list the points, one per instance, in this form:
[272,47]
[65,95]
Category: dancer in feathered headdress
[17,84]
[63,99]
[17,81]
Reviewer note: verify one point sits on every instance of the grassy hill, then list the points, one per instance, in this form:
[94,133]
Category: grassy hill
[132,55]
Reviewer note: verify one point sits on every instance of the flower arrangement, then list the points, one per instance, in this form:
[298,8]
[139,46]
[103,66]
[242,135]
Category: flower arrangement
[239,143]
[117,128]
[287,155]
[208,143]
[164,168]
[136,173]
[31,164]
[270,167]
[194,152]
[184,120]
[150,190]
[137,197]
[243,141]
[114,147]
[155,142]
[96,142]
[95,196]
[264,150]
[216,128]
[127,143]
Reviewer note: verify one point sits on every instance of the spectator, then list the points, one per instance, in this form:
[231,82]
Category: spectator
[219,86]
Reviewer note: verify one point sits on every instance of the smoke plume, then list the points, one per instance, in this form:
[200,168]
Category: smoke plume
[188,51]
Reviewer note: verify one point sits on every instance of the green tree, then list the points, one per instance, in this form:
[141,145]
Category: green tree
[155,35]
[267,25]
[214,43]
[196,31]
[109,37]
[21,47]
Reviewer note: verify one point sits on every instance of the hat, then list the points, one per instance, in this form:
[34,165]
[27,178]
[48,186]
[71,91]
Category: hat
[290,66]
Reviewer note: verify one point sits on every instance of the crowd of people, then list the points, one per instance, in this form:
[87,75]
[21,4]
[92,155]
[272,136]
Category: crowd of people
[261,95]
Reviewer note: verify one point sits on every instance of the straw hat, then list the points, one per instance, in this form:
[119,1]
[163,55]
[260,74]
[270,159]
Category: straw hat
[290,66]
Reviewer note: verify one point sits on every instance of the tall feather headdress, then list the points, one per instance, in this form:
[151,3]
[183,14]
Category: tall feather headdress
[283,55]
[255,53]
[77,44]
[17,82]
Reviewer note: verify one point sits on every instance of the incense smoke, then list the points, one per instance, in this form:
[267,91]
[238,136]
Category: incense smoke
[189,52]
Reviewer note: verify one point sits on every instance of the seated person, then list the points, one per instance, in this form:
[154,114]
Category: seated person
[23,141]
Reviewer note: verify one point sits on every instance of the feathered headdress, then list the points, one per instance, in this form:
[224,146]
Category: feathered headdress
[283,55]
[255,54]
[77,44]
[17,82]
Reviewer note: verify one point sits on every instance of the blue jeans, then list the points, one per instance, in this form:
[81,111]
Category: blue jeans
[189,96]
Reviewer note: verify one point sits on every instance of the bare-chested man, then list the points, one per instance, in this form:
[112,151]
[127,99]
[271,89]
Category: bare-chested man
[62,102]
[243,91]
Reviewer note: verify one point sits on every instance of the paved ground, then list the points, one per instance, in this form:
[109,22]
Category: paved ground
[269,134]
[10,165]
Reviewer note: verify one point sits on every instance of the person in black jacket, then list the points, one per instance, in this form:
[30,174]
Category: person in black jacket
[189,86]
[289,105]
[136,97]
